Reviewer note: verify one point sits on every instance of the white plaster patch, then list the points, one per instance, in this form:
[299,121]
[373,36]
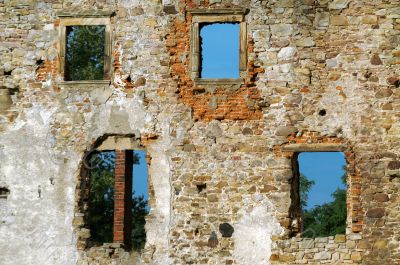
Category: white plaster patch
[47,236]
[253,231]
[157,229]
[129,3]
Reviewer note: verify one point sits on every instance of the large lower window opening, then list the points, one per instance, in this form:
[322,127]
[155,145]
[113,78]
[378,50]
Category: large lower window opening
[220,50]
[320,182]
[118,197]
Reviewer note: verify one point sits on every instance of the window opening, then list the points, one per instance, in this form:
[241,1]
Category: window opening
[220,50]
[84,58]
[322,188]
[118,200]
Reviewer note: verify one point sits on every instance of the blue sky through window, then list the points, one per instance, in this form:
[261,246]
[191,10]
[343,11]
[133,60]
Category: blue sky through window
[220,50]
[326,169]
[140,176]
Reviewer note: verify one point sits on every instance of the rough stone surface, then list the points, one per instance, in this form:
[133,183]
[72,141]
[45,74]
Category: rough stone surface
[376,213]
[302,57]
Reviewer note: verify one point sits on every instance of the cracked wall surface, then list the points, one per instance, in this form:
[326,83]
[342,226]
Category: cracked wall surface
[318,71]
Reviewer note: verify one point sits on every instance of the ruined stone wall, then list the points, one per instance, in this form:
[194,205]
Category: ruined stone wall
[322,71]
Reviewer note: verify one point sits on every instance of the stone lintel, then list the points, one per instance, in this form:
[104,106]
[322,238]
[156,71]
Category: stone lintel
[318,147]
[218,11]
[85,13]
[120,143]
[84,84]
[219,81]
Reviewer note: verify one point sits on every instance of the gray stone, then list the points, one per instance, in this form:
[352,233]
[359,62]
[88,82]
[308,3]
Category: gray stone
[306,42]
[307,243]
[282,30]
[287,53]
[339,4]
[285,130]
[323,255]
[321,20]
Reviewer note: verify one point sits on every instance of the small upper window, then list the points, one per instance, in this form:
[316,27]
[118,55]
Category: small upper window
[84,53]
[218,45]
[85,47]
[220,50]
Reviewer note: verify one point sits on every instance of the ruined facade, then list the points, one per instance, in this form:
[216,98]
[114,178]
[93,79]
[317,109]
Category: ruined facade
[316,75]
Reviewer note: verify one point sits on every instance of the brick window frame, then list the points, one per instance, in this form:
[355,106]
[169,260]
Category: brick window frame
[354,222]
[83,18]
[222,15]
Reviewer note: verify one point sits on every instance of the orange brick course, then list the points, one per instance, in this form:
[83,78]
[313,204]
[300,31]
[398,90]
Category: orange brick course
[230,105]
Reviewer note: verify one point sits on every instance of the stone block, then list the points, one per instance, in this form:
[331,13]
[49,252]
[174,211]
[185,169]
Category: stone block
[339,20]
[282,30]
[381,197]
[287,53]
[355,256]
[305,42]
[323,255]
[380,244]
[376,60]
[339,4]
[376,213]
[285,130]
[369,19]
[340,238]
[307,243]
[321,20]
[5,99]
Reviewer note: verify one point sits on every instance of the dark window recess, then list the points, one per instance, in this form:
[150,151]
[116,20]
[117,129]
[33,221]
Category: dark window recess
[322,112]
[39,62]
[201,187]
[101,198]
[226,230]
[219,43]
[4,192]
[84,53]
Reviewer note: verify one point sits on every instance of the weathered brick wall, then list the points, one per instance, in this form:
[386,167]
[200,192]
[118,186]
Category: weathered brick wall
[318,71]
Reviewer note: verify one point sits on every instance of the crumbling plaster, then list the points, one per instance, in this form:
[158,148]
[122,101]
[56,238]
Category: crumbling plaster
[304,56]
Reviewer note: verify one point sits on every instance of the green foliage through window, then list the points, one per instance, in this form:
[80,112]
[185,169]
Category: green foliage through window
[139,212]
[101,204]
[305,186]
[324,220]
[85,53]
